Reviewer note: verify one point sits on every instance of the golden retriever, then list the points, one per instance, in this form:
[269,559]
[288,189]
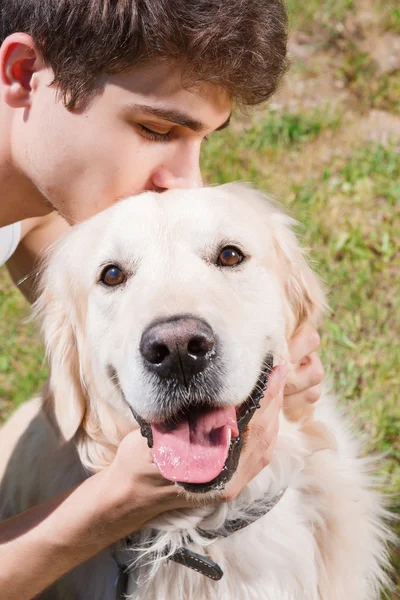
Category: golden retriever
[172,309]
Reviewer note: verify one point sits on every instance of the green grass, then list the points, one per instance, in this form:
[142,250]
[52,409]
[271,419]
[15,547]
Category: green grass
[389,11]
[345,191]
[243,151]
[360,74]
[324,14]
[282,129]
[357,246]
[22,369]
[394,19]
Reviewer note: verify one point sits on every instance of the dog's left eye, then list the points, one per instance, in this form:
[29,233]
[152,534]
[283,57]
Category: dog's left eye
[230,256]
[112,276]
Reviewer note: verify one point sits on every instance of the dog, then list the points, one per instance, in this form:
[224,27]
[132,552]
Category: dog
[159,312]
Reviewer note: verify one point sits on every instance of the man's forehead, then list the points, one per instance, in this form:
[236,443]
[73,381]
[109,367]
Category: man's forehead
[159,87]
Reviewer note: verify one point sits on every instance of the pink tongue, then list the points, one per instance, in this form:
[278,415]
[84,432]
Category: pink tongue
[195,450]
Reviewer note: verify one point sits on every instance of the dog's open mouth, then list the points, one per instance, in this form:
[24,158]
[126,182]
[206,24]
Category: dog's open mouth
[193,447]
[200,447]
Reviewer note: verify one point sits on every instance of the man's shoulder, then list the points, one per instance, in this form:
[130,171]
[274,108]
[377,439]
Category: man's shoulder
[9,240]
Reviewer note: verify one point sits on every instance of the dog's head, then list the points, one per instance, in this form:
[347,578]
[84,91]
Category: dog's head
[173,307]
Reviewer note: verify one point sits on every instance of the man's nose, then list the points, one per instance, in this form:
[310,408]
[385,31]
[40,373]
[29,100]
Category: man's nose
[181,171]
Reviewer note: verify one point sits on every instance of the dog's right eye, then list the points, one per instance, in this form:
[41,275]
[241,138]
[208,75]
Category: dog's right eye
[112,276]
[230,256]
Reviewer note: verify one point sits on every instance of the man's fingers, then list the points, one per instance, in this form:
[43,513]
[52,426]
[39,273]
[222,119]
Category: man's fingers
[266,458]
[304,342]
[276,383]
[309,375]
[304,388]
[309,396]
[258,450]
[268,422]
[299,405]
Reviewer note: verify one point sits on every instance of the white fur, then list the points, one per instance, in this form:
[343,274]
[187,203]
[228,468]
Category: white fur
[326,539]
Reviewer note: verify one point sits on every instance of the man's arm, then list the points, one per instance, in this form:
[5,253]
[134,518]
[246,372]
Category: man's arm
[39,546]
[37,235]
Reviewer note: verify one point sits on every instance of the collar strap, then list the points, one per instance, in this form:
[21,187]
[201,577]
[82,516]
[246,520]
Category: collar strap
[204,565]
[198,562]
[260,508]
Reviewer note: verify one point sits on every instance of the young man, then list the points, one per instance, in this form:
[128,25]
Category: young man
[100,100]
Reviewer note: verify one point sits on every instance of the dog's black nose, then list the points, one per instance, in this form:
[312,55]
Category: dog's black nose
[178,348]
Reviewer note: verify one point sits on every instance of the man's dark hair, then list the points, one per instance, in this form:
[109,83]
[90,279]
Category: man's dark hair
[237,45]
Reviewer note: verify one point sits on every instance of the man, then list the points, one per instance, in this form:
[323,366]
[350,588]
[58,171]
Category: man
[98,100]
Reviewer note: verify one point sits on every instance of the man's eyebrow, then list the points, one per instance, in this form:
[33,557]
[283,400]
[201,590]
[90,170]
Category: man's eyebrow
[225,124]
[174,116]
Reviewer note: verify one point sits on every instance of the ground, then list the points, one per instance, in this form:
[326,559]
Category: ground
[327,146]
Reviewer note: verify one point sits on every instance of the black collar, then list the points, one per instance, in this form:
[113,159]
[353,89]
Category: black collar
[198,562]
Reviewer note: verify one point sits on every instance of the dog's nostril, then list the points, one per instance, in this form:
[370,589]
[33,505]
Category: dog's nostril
[199,346]
[157,354]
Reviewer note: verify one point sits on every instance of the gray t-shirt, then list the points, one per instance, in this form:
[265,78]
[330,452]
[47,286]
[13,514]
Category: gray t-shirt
[9,240]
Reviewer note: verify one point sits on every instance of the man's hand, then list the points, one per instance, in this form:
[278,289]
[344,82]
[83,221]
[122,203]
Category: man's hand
[303,384]
[260,435]
[302,389]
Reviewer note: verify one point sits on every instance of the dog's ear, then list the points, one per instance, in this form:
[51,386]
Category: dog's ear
[303,291]
[60,325]
[304,302]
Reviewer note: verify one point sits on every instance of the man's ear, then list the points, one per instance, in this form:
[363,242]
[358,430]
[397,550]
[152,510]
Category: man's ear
[19,61]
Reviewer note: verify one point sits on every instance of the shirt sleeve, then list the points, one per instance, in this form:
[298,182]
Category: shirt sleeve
[9,240]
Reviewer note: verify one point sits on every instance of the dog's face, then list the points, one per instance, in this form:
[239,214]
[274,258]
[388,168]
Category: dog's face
[174,306]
